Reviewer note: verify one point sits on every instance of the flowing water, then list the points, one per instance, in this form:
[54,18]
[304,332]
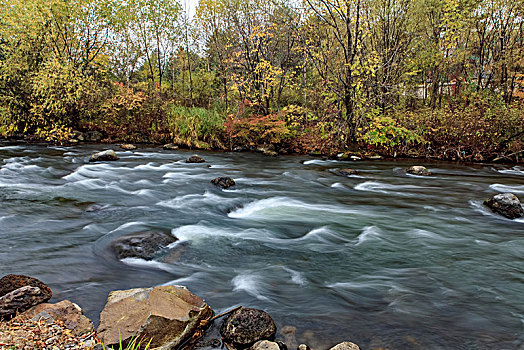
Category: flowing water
[383,259]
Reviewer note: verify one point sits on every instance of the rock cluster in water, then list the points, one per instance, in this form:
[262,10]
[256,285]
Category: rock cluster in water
[108,155]
[506,204]
[195,159]
[418,170]
[144,245]
[223,182]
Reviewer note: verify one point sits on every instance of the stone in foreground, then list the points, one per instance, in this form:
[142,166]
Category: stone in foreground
[167,315]
[195,159]
[143,245]
[65,311]
[128,146]
[418,170]
[224,182]
[103,156]
[506,204]
[19,293]
[265,345]
[246,326]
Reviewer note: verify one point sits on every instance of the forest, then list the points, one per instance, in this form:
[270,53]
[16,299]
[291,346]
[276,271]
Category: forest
[419,78]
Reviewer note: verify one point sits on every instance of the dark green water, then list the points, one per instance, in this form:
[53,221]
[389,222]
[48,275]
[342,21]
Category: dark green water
[382,259]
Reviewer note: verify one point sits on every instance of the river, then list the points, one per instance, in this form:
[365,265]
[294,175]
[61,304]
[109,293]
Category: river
[384,259]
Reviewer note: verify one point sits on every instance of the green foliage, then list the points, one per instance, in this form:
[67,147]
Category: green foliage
[134,343]
[195,126]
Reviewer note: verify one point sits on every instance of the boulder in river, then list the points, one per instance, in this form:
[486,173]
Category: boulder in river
[223,181]
[506,204]
[246,326]
[345,172]
[64,311]
[167,315]
[128,146]
[346,345]
[144,245]
[107,155]
[19,293]
[195,159]
[418,170]
[170,147]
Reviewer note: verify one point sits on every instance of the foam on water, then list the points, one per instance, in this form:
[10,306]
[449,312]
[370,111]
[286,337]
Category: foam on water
[191,200]
[514,171]
[296,277]
[368,233]
[380,187]
[319,161]
[251,283]
[147,263]
[507,188]
[282,207]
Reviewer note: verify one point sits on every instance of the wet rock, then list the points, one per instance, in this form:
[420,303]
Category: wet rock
[19,293]
[246,326]
[79,136]
[288,333]
[346,346]
[265,148]
[65,311]
[505,204]
[224,182]
[418,170]
[93,136]
[170,147]
[374,157]
[167,315]
[195,159]
[128,146]
[241,149]
[144,245]
[108,155]
[265,345]
[355,158]
[303,347]
[345,172]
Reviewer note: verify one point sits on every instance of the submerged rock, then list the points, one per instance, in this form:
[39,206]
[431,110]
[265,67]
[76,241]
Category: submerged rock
[128,146]
[246,326]
[418,170]
[195,159]
[224,182]
[168,316]
[505,204]
[288,333]
[346,346]
[65,311]
[144,245]
[19,293]
[108,155]
[170,147]
[345,172]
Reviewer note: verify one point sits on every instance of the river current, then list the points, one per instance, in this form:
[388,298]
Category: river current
[384,259]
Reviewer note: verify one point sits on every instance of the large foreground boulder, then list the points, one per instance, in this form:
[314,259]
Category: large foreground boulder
[167,315]
[144,245]
[103,156]
[223,182]
[19,293]
[246,326]
[418,170]
[65,311]
[506,204]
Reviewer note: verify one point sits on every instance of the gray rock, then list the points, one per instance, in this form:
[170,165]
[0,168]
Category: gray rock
[418,170]
[345,172]
[108,155]
[224,182]
[168,316]
[506,204]
[93,136]
[245,326]
[170,147]
[265,345]
[346,346]
[195,159]
[144,245]
[303,347]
